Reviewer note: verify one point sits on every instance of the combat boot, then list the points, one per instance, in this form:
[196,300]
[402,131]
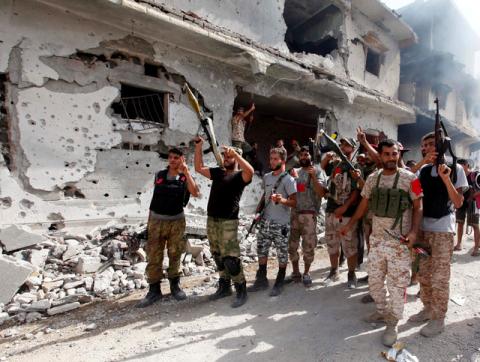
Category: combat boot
[175,289]
[279,281]
[224,289]
[242,296]
[433,327]
[375,317]
[261,281]
[420,317]
[389,337]
[154,295]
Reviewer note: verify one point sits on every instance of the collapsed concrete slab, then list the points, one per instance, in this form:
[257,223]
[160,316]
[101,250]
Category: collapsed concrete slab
[14,273]
[16,237]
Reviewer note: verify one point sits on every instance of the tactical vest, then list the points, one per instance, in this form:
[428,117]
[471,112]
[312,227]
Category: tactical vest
[169,196]
[390,202]
[436,202]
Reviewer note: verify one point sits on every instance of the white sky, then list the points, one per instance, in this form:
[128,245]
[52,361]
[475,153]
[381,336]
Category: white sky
[469,8]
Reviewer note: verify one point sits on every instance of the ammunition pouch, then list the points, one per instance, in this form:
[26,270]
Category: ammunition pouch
[389,202]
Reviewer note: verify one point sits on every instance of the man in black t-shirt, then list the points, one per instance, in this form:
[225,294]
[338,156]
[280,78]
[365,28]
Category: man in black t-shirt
[222,223]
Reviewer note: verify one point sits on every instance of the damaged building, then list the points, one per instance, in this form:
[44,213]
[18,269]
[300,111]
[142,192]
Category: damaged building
[441,64]
[91,92]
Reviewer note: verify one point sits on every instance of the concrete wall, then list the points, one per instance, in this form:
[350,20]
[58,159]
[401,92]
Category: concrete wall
[261,21]
[388,80]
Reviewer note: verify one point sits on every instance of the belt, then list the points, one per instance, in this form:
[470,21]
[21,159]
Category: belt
[309,212]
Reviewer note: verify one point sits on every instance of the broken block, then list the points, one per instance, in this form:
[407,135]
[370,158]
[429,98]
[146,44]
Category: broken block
[16,237]
[14,273]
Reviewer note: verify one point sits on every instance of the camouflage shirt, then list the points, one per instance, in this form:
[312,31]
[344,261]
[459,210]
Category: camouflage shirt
[408,182]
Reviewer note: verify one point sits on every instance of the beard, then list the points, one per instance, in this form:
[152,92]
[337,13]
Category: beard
[305,163]
[390,165]
[229,166]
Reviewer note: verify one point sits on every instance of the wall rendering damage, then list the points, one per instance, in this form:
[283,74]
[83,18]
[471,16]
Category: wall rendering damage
[92,103]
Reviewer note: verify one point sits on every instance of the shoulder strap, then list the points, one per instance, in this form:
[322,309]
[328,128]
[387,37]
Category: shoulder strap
[277,183]
[378,178]
[397,176]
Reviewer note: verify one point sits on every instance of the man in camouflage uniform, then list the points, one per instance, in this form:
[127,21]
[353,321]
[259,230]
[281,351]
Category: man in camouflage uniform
[279,196]
[223,207]
[166,226]
[311,187]
[393,223]
[341,204]
[443,194]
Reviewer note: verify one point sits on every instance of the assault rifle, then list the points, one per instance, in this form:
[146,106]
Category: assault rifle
[443,143]
[207,126]
[332,145]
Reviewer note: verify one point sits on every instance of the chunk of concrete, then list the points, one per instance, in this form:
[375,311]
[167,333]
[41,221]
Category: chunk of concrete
[88,264]
[16,237]
[39,306]
[63,308]
[13,273]
[39,257]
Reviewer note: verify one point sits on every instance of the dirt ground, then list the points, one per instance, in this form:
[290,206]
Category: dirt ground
[316,324]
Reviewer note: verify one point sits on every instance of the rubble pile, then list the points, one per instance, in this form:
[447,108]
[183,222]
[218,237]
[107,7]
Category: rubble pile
[44,275]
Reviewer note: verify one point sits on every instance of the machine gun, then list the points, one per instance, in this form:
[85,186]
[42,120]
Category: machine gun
[207,126]
[443,143]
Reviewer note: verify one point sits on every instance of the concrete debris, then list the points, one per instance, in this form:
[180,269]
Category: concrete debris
[63,308]
[3,317]
[14,273]
[109,261]
[16,237]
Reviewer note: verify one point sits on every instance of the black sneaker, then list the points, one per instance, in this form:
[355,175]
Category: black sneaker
[352,280]
[307,280]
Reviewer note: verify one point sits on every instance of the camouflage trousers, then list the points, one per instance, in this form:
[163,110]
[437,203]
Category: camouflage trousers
[434,272]
[272,233]
[161,234]
[223,237]
[388,259]
[333,238]
[304,226]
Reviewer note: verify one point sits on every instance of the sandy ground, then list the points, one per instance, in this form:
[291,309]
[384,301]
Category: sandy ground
[316,324]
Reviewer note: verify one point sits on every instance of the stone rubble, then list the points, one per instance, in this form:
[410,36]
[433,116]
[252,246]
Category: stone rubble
[64,271]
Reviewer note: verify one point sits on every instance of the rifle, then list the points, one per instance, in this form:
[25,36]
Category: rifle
[443,143]
[417,248]
[335,148]
[207,126]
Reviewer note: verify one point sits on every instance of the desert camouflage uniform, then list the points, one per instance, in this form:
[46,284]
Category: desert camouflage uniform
[304,226]
[223,237]
[388,257]
[343,186]
[333,238]
[161,233]
[272,233]
[434,272]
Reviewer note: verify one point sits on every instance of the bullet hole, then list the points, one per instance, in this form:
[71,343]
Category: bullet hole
[26,203]
[106,195]
[76,129]
[139,137]
[95,182]
[148,165]
[126,166]
[22,214]
[5,202]
[139,193]
[137,163]
[55,216]
[96,107]
[125,197]
[114,125]
[32,122]
[112,213]
[67,164]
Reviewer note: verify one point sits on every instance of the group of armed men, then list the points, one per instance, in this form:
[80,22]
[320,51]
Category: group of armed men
[399,208]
